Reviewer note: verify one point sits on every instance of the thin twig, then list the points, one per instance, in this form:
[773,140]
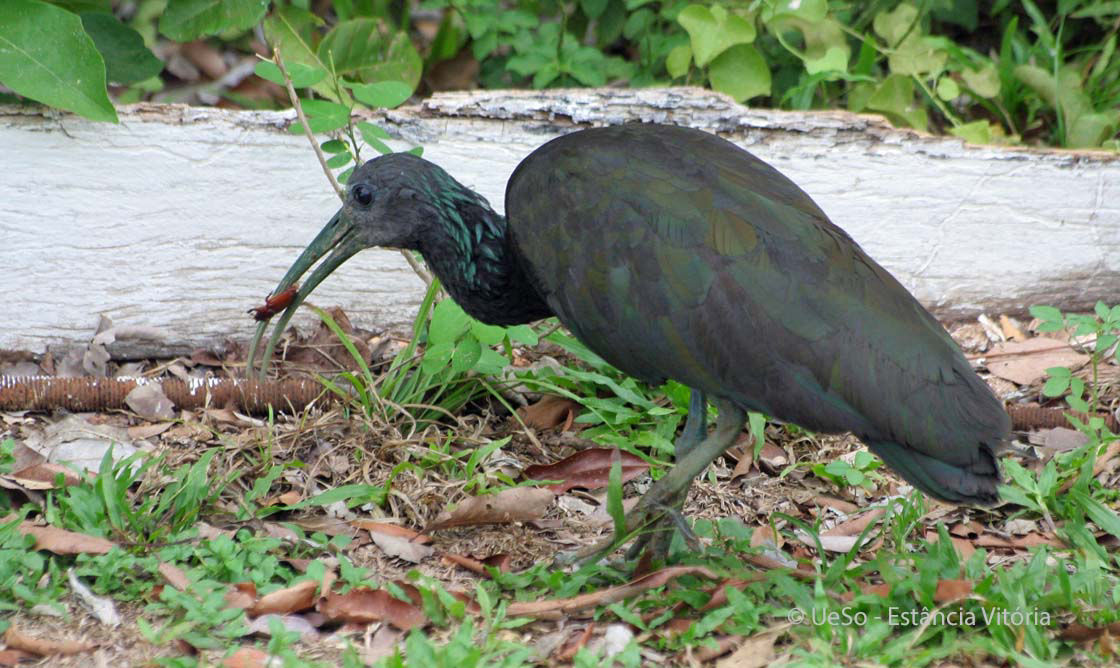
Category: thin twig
[276,57]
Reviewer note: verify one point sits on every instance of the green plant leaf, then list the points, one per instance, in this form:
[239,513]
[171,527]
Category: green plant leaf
[127,60]
[366,50]
[1090,130]
[811,11]
[741,72]
[984,81]
[187,20]
[322,116]
[383,94]
[713,31]
[288,30]
[593,8]
[46,55]
[895,98]
[303,76]
[976,132]
[947,89]
[678,61]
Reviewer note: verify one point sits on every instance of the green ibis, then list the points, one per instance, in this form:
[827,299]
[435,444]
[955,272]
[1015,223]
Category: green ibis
[673,253]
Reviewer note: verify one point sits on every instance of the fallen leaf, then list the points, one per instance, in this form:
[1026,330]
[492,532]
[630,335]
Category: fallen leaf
[243,596]
[293,623]
[401,547]
[174,576]
[502,562]
[839,505]
[14,657]
[1026,362]
[1010,329]
[551,411]
[757,651]
[382,645]
[575,643]
[149,402]
[42,476]
[143,431]
[103,608]
[856,525]
[1078,632]
[952,590]
[882,590]
[589,469]
[363,605]
[16,639]
[518,504]
[247,657]
[300,596]
[61,541]
[723,646]
[391,530]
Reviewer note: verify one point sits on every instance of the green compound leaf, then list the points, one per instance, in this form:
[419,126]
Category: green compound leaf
[46,55]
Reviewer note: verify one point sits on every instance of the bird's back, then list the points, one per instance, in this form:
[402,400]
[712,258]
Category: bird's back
[674,254]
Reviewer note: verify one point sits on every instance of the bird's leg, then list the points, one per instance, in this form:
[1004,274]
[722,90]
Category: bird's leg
[675,483]
[695,429]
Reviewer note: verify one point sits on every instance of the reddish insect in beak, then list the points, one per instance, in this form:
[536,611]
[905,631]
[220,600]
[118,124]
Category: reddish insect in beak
[273,304]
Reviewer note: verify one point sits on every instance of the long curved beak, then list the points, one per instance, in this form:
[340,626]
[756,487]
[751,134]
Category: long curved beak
[339,238]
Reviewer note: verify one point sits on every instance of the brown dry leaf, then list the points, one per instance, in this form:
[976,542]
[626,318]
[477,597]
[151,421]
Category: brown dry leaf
[503,562]
[589,469]
[42,476]
[575,643]
[723,646]
[246,657]
[1026,362]
[400,546]
[16,639]
[519,504]
[952,590]
[1010,329]
[243,596]
[174,576]
[556,607]
[765,535]
[1078,632]
[882,590]
[756,652]
[855,526]
[840,505]
[14,657]
[143,431]
[61,541]
[773,456]
[970,529]
[300,596]
[551,411]
[149,402]
[391,530]
[365,606]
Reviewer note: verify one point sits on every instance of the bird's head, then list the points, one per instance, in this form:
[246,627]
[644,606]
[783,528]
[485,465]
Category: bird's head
[389,203]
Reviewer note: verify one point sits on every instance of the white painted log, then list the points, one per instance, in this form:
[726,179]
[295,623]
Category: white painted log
[182,218]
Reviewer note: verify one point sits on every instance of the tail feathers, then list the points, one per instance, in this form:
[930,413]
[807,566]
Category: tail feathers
[974,484]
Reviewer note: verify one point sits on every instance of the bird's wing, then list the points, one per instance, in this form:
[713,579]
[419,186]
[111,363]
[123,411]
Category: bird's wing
[673,254]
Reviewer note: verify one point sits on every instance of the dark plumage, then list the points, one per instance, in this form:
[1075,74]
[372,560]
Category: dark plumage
[673,253]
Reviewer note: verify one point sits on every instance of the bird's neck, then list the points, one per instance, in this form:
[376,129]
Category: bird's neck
[471,252]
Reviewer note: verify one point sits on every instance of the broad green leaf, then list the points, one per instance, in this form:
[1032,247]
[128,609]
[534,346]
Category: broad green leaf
[322,116]
[741,72]
[1055,386]
[1089,130]
[1102,515]
[365,49]
[370,130]
[487,334]
[964,13]
[895,98]
[46,55]
[127,60]
[467,353]
[976,132]
[449,321]
[678,60]
[303,76]
[1064,91]
[918,56]
[1047,313]
[187,20]
[333,146]
[593,8]
[713,31]
[339,160]
[894,25]
[383,94]
[288,30]
[826,45]
[947,89]
[811,11]
[984,82]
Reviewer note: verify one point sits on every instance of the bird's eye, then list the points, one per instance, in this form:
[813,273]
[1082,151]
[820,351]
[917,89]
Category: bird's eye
[362,194]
